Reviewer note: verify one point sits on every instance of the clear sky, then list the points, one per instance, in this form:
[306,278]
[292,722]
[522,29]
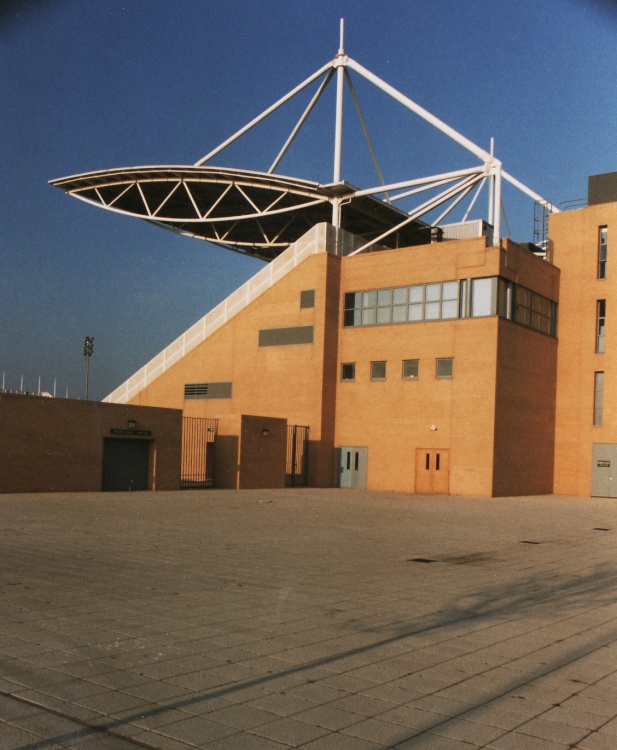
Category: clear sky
[116,83]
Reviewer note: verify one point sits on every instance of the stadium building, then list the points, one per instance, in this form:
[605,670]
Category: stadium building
[384,348]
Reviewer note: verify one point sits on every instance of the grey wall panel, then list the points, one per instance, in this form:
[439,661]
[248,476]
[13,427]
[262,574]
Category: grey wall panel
[286,336]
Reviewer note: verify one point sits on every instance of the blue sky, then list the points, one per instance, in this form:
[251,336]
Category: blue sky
[96,85]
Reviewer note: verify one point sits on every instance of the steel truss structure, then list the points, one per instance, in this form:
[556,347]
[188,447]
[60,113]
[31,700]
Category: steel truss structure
[262,213]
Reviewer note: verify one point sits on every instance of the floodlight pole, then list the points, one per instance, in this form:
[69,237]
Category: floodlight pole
[88,350]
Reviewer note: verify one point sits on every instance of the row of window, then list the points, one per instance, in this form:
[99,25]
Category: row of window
[444,368]
[598,386]
[446,300]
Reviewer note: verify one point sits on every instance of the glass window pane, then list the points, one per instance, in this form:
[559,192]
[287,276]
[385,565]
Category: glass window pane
[352,318]
[384,315]
[522,296]
[482,297]
[384,297]
[416,294]
[399,295]
[444,368]
[399,313]
[352,299]
[348,371]
[378,370]
[411,369]
[449,309]
[433,292]
[598,399]
[369,299]
[553,318]
[415,312]
[431,311]
[368,316]
[463,307]
[449,290]
[502,307]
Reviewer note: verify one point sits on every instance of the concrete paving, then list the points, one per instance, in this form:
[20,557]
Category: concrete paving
[314,619]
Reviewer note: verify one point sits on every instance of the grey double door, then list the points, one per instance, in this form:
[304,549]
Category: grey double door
[352,467]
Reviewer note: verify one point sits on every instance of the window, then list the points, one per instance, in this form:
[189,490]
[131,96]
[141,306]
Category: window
[444,367]
[602,252]
[483,297]
[307,298]
[528,308]
[448,300]
[600,325]
[437,301]
[598,399]
[378,370]
[411,369]
[348,371]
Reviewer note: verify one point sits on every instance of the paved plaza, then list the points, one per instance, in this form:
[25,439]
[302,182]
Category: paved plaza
[316,619]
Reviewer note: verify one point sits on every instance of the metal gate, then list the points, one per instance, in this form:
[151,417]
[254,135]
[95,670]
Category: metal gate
[296,471]
[198,452]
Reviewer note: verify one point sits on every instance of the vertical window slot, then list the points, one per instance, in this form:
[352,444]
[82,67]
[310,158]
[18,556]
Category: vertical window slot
[602,252]
[600,325]
[598,399]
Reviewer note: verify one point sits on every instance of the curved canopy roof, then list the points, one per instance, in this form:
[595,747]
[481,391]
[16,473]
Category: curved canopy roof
[262,213]
[254,212]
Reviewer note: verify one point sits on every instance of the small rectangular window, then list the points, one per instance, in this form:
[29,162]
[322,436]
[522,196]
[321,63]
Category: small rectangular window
[602,252]
[600,325]
[348,371]
[411,369]
[444,367]
[307,298]
[598,399]
[378,370]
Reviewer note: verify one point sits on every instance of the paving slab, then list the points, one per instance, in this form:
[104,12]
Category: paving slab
[307,619]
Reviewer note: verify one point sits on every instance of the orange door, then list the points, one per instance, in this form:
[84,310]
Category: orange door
[432,471]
